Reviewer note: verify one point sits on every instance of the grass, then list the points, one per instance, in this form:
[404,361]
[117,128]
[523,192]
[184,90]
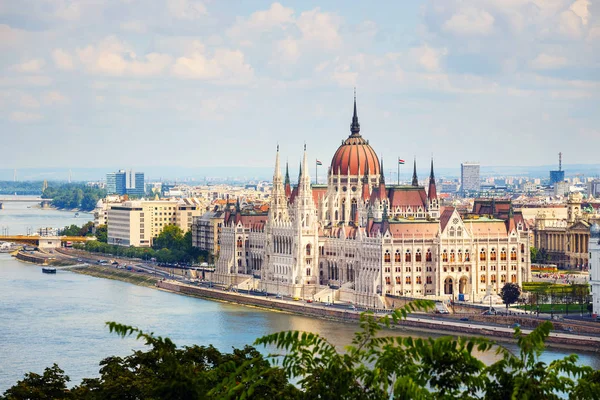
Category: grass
[558,308]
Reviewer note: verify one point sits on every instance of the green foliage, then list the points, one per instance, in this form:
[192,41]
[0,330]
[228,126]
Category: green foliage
[101,233]
[74,196]
[75,230]
[372,367]
[510,293]
[539,256]
[52,384]
[29,188]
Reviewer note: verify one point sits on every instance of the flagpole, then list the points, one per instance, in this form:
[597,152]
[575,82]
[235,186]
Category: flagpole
[398,161]
[316,171]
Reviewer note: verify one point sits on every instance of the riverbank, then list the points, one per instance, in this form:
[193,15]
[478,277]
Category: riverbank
[98,271]
[420,323]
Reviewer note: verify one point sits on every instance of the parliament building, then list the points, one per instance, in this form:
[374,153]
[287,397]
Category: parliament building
[362,240]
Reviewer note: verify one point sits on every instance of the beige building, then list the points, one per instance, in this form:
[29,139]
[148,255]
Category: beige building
[206,231]
[565,239]
[136,223]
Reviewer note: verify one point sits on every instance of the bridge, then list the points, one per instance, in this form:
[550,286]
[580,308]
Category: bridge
[45,241]
[22,199]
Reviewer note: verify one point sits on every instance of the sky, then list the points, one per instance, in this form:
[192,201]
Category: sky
[99,83]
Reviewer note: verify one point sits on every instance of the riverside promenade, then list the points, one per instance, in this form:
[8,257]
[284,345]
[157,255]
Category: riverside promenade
[417,321]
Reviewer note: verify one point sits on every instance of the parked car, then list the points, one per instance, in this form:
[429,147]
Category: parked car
[516,325]
[309,301]
[296,299]
[278,296]
[464,319]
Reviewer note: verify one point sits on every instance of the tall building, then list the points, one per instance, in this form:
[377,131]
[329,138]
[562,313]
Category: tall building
[559,175]
[469,178]
[125,182]
[594,247]
[362,240]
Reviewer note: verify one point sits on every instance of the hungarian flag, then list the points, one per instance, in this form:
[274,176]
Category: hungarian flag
[400,161]
[319,162]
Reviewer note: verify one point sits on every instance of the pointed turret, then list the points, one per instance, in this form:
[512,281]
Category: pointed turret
[355,126]
[278,195]
[382,177]
[432,194]
[365,186]
[415,180]
[288,184]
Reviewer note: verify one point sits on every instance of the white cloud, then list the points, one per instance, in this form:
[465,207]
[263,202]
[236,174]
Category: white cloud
[11,37]
[470,21]
[320,28]
[225,66]
[54,97]
[30,66]
[344,76]
[113,57]
[186,9]
[62,59]
[428,57]
[580,8]
[276,17]
[548,61]
[21,116]
[288,50]
[570,24]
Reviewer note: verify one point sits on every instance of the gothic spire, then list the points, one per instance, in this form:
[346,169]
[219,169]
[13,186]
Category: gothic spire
[382,180]
[355,126]
[415,180]
[432,193]
[287,173]
[299,172]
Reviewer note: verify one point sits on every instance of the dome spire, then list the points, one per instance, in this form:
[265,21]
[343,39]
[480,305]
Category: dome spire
[355,126]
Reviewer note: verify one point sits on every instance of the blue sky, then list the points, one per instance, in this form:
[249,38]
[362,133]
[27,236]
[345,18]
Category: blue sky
[95,83]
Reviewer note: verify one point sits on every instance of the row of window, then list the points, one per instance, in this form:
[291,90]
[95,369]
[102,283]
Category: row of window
[513,278]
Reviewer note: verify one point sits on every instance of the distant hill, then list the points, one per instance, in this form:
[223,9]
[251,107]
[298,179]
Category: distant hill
[233,173]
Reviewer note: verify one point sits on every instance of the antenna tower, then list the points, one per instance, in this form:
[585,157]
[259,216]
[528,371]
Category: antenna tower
[560,161]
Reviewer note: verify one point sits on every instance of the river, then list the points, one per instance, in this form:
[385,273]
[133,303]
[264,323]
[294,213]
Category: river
[46,319]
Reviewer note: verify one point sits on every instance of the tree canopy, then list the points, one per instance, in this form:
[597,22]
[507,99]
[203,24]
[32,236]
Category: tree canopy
[510,293]
[373,367]
[74,196]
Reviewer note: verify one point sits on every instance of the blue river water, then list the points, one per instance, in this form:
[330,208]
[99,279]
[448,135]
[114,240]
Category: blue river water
[46,319]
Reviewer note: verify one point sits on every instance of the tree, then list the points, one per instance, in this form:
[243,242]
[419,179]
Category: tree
[52,384]
[171,237]
[510,293]
[373,367]
[102,233]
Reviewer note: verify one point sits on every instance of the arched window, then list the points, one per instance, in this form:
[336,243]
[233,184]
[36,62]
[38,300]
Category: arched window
[408,281]
[467,255]
[240,243]
[513,278]
[460,257]
[503,254]
[445,256]
[397,256]
[428,255]
[493,278]
[482,279]
[387,257]
[387,280]
[451,232]
[459,232]
[307,271]
[493,254]
[522,248]
[429,281]
[418,280]
[418,255]
[398,280]
[482,255]
[513,254]
[452,256]
[308,249]
[407,256]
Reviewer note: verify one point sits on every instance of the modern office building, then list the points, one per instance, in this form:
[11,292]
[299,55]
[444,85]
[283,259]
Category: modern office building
[123,182]
[136,223]
[469,178]
[115,182]
[558,175]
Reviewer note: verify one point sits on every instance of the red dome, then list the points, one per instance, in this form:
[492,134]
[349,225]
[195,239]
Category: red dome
[354,155]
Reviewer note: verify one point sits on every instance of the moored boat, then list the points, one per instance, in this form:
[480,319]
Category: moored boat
[48,270]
